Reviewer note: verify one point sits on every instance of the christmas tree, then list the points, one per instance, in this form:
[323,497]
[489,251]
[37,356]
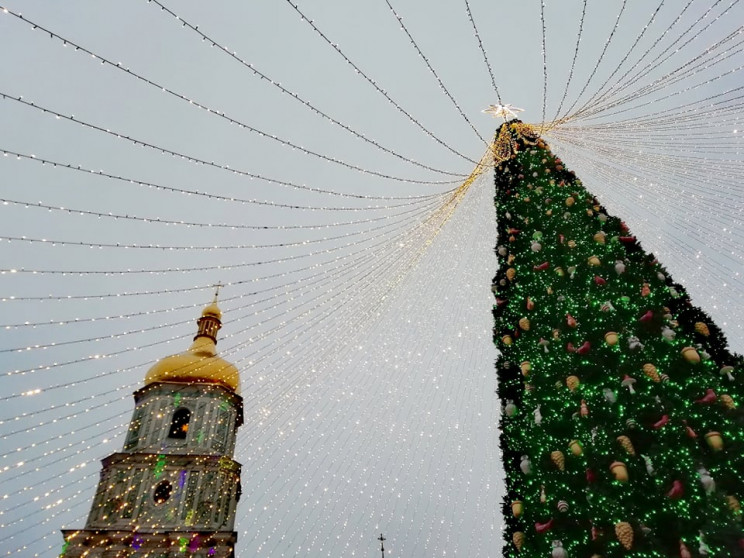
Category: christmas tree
[622,432]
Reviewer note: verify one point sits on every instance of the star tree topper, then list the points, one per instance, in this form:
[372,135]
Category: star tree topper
[503,111]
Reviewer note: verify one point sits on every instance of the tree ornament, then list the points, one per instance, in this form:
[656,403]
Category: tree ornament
[543,527]
[627,445]
[507,340]
[593,261]
[544,343]
[733,504]
[530,304]
[650,371]
[562,506]
[511,273]
[537,235]
[628,383]
[559,459]
[584,411]
[524,323]
[571,244]
[543,497]
[690,432]
[573,382]
[611,338]
[517,508]
[709,398]
[571,321]
[558,550]
[624,533]
[599,281]
[649,465]
[619,267]
[570,201]
[599,237]
[590,476]
[631,423]
[576,447]
[526,465]
[709,485]
[585,347]
[684,552]
[609,395]
[661,422]
[510,409]
[518,539]
[714,440]
[727,401]
[619,470]
[535,246]
[727,371]
[703,549]
[635,344]
[664,378]
[647,316]
[559,272]
[538,416]
[502,250]
[691,355]
[702,329]
[668,334]
[645,290]
[526,367]
[676,491]
[541,267]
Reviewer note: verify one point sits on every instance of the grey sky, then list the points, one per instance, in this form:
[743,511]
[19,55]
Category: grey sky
[366,359]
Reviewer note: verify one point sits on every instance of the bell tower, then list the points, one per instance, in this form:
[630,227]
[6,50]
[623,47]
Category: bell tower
[173,489]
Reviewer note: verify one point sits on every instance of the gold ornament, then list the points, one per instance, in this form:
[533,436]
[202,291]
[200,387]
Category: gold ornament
[611,338]
[691,355]
[620,471]
[524,323]
[702,329]
[517,508]
[594,261]
[572,382]
[715,440]
[624,533]
[572,244]
[511,273]
[559,459]
[650,371]
[510,259]
[733,504]
[526,367]
[506,339]
[600,237]
[575,447]
[518,538]
[727,401]
[570,201]
[627,444]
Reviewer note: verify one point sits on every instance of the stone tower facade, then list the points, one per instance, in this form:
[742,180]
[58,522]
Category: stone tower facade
[173,489]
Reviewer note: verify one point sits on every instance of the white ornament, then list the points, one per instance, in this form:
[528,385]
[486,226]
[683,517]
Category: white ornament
[668,333]
[649,465]
[510,409]
[609,395]
[703,549]
[595,432]
[538,416]
[703,353]
[634,343]
[619,267]
[558,550]
[526,465]
[536,246]
[707,481]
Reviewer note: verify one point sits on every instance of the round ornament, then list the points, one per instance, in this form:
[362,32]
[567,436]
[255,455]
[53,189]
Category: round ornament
[535,246]
[517,508]
[691,355]
[611,338]
[714,440]
[526,367]
[511,273]
[594,261]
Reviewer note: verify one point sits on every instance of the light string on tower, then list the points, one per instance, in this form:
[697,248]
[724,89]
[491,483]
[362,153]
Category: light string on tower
[483,52]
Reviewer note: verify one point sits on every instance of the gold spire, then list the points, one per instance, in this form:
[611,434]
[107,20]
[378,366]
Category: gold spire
[200,363]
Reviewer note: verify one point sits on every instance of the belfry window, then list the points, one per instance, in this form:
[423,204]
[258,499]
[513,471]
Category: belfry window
[180,423]
[162,492]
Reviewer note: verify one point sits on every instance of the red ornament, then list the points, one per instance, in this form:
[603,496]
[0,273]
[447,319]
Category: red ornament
[661,422]
[684,552]
[599,281]
[590,476]
[627,239]
[690,432]
[542,527]
[584,348]
[570,347]
[571,321]
[708,398]
[677,490]
[542,267]
[561,238]
[647,317]
[501,301]
[514,231]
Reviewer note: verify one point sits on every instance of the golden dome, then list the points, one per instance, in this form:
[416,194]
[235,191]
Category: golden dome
[200,363]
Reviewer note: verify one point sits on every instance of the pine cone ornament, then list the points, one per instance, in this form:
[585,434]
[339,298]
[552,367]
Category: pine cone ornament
[624,533]
[702,329]
[650,371]
[559,459]
[627,444]
[518,539]
[727,401]
[524,323]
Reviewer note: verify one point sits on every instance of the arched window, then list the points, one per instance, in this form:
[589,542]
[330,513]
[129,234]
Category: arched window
[162,492]
[180,423]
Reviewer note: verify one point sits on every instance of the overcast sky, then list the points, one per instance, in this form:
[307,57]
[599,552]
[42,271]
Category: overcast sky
[359,317]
